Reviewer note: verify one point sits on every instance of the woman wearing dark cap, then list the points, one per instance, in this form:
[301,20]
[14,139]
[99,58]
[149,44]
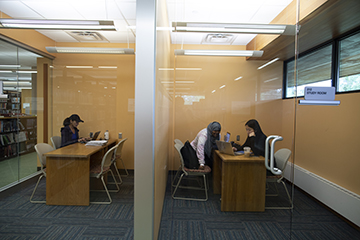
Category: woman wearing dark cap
[204,142]
[70,133]
[255,140]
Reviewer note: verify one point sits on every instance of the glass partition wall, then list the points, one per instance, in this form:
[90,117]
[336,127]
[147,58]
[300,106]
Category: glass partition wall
[18,114]
[232,90]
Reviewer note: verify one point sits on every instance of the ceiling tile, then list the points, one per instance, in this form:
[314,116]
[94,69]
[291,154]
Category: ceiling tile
[55,9]
[16,9]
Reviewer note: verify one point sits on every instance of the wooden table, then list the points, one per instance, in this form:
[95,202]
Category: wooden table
[68,173]
[241,182]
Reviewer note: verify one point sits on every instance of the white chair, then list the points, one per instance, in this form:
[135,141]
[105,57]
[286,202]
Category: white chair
[41,149]
[100,170]
[118,156]
[281,158]
[191,173]
[179,142]
[56,141]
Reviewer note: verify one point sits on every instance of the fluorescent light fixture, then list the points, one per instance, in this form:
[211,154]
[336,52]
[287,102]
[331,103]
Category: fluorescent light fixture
[26,71]
[224,53]
[10,66]
[108,67]
[268,63]
[57,24]
[236,79]
[318,102]
[234,28]
[270,80]
[79,66]
[222,86]
[5,71]
[213,91]
[90,50]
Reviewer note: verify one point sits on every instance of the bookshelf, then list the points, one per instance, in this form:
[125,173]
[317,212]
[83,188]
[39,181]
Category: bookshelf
[17,135]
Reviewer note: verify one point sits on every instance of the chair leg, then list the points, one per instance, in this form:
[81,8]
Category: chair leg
[116,183]
[287,193]
[107,192]
[118,174]
[32,201]
[195,188]
[127,173]
[274,194]
[176,176]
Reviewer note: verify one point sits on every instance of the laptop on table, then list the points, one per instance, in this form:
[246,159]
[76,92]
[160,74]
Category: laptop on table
[226,148]
[94,137]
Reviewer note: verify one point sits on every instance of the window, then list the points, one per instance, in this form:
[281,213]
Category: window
[349,64]
[314,69]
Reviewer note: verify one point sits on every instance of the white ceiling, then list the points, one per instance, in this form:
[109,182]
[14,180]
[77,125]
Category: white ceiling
[123,12]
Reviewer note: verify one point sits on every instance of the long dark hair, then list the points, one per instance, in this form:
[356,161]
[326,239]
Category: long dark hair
[254,125]
[66,122]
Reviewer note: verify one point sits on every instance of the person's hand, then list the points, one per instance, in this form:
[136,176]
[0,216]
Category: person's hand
[234,149]
[88,138]
[252,134]
[201,167]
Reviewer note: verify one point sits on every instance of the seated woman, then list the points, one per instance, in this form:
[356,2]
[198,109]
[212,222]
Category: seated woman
[204,142]
[70,133]
[255,140]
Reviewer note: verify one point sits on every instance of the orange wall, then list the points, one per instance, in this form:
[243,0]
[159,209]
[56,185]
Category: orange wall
[104,98]
[327,141]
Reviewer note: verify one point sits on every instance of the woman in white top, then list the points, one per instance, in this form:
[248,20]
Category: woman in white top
[204,142]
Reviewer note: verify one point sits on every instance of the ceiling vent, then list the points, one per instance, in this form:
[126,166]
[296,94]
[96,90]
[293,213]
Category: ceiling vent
[86,36]
[222,39]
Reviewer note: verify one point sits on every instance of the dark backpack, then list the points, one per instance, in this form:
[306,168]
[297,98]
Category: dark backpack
[189,155]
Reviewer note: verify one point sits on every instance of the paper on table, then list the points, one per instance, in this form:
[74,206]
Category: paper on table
[96,143]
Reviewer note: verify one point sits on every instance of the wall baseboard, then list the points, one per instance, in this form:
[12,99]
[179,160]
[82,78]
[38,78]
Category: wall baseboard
[339,199]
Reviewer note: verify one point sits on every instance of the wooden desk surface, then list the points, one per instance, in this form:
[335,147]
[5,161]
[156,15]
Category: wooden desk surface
[239,158]
[78,150]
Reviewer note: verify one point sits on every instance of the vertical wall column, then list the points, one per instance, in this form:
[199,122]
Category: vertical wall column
[144,149]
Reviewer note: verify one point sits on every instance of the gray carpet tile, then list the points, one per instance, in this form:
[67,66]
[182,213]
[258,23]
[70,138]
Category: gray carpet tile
[20,219]
[181,219]
[184,219]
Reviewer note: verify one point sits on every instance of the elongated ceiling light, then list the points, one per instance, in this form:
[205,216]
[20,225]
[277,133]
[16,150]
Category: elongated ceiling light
[234,28]
[90,50]
[229,53]
[57,24]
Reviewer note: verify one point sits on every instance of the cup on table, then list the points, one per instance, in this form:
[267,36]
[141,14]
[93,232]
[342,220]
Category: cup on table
[247,151]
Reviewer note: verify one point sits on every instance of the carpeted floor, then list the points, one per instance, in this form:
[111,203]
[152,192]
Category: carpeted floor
[20,219]
[181,219]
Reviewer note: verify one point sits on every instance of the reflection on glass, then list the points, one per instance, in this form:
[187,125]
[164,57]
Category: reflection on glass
[349,76]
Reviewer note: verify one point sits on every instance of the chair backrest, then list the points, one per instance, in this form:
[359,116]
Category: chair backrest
[281,157]
[178,147]
[178,141]
[56,141]
[107,159]
[120,145]
[40,149]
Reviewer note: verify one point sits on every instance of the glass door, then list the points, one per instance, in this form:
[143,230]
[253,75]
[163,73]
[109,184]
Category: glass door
[18,135]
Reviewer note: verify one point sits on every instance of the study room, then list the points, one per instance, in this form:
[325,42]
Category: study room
[166,82]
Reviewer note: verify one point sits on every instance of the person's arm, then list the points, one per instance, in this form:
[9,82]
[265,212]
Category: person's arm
[200,150]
